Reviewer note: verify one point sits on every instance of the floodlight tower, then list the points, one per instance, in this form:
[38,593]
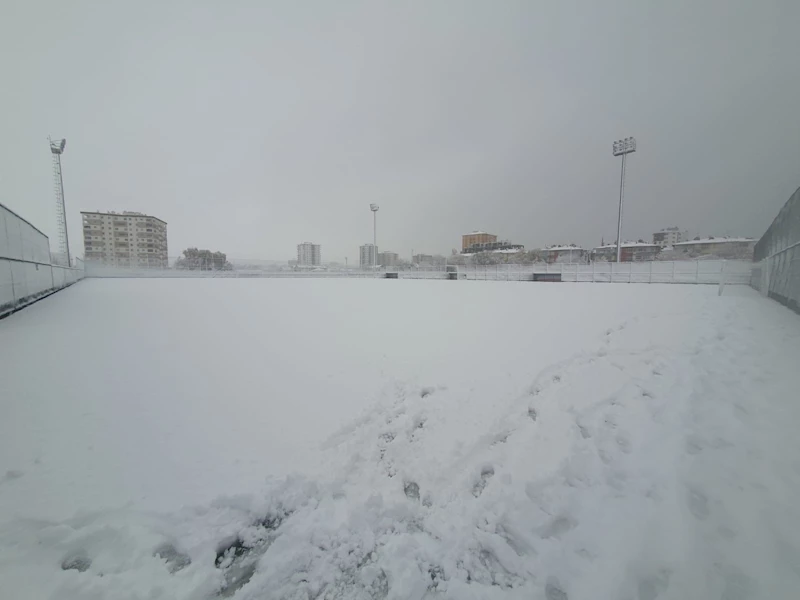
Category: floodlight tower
[622,148]
[374,209]
[57,149]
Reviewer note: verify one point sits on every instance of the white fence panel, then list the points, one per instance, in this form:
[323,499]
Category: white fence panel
[25,270]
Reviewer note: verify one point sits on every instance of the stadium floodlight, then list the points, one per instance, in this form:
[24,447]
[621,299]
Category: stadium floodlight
[374,208]
[57,149]
[622,148]
[625,146]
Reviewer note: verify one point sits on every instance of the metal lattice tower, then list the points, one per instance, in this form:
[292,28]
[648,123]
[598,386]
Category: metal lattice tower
[57,149]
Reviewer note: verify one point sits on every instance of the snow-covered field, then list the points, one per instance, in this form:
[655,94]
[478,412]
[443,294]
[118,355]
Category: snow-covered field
[262,438]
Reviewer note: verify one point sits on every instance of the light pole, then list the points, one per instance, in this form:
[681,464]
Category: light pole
[57,149]
[622,148]
[374,209]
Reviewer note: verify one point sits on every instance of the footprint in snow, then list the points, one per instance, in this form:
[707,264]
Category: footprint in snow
[12,474]
[558,527]
[239,558]
[653,586]
[486,474]
[694,444]
[77,560]
[411,490]
[554,591]
[697,503]
[174,558]
[624,443]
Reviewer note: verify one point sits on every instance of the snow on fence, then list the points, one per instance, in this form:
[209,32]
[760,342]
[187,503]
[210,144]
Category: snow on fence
[26,272]
[777,272]
[702,272]
[695,271]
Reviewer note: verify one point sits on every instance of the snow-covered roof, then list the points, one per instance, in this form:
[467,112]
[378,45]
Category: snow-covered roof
[630,245]
[477,232]
[563,248]
[720,240]
[508,251]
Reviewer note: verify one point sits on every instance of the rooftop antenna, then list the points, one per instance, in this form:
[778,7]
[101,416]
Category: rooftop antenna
[57,149]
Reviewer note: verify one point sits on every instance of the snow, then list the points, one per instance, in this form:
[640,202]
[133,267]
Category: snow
[399,439]
[721,240]
[629,245]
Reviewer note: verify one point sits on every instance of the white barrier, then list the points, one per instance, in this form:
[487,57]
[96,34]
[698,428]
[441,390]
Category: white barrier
[731,272]
[25,270]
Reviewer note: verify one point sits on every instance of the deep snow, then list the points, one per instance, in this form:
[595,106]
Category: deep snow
[399,439]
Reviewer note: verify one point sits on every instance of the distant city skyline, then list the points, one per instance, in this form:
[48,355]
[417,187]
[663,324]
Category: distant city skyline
[500,119]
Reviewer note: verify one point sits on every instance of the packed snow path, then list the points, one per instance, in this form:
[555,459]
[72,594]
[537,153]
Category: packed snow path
[562,442]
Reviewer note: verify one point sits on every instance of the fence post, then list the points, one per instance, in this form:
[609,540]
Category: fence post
[651,272]
[721,279]
[697,271]
[630,271]
[593,271]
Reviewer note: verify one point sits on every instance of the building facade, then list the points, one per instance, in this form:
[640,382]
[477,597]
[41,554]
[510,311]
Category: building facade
[629,252]
[723,247]
[367,255]
[309,255]
[428,260]
[669,237]
[126,239]
[495,246]
[565,254]
[476,237]
[388,259]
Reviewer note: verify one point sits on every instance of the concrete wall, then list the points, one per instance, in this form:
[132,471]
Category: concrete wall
[25,270]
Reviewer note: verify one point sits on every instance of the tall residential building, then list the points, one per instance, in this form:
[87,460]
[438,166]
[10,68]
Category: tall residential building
[126,239]
[367,255]
[669,237]
[388,259]
[309,255]
[476,238]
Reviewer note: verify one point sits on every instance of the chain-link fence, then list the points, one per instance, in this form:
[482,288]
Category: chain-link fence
[777,270]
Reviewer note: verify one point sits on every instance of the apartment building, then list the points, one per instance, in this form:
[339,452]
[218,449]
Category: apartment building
[565,255]
[309,255]
[126,239]
[669,237]
[476,238]
[367,255]
[629,252]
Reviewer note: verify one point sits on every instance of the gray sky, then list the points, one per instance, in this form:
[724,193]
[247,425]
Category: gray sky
[253,126]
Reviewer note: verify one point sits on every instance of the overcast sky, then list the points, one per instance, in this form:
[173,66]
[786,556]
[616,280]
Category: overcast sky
[253,126]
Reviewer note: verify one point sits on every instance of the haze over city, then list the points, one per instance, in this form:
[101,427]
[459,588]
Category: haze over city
[253,128]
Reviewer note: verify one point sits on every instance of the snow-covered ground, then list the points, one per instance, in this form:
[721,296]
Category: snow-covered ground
[399,439]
